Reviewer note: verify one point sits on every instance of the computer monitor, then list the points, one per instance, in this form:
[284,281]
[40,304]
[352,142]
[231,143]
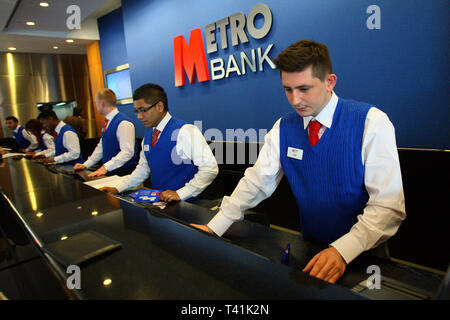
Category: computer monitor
[118,80]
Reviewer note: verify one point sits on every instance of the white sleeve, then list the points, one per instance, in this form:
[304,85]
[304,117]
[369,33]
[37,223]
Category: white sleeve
[138,176]
[32,139]
[192,145]
[385,209]
[258,183]
[126,137]
[72,144]
[96,155]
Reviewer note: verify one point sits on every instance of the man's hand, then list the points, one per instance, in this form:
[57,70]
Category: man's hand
[169,195]
[79,166]
[40,156]
[327,265]
[203,227]
[109,190]
[48,160]
[30,154]
[100,172]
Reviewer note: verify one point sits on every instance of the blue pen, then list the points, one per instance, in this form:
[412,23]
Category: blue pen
[285,259]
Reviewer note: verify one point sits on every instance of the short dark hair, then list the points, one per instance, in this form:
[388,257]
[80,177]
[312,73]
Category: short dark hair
[151,93]
[302,54]
[12,118]
[48,114]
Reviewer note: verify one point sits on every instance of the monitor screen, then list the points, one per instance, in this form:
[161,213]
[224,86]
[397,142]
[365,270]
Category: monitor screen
[120,83]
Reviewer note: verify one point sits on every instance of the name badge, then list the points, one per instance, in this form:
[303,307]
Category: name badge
[295,153]
[146,147]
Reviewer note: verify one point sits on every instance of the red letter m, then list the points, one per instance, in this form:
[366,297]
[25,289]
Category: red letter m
[190,58]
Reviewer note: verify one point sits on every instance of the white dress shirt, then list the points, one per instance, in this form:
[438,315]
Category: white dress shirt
[30,137]
[190,145]
[125,135]
[70,142]
[384,210]
[49,142]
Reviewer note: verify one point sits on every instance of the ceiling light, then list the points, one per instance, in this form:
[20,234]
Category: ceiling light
[30,23]
[69,40]
[64,237]
[55,47]
[12,48]
[43,4]
[107,282]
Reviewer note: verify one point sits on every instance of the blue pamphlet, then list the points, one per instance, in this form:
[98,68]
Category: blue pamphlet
[147,195]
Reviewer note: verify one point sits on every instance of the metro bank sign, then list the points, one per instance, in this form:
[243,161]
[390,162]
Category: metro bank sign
[191,58]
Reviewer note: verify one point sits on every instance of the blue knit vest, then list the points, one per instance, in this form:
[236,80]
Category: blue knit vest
[111,145]
[42,145]
[23,143]
[328,183]
[59,146]
[167,170]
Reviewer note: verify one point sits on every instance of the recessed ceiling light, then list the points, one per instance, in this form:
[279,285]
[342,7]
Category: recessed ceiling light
[43,4]
[30,23]
[55,47]
[11,48]
[69,40]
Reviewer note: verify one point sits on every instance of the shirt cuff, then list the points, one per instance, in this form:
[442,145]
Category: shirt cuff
[88,164]
[57,159]
[220,223]
[122,185]
[348,246]
[183,193]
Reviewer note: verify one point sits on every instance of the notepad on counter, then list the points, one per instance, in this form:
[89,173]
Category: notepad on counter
[80,247]
[104,182]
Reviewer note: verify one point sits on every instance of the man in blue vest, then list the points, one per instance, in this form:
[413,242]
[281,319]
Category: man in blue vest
[174,153]
[117,147]
[26,141]
[340,159]
[67,144]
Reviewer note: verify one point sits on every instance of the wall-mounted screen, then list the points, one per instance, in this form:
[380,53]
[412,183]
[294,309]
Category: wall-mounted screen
[118,80]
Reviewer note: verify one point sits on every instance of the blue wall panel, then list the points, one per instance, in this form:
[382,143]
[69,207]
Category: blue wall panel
[402,68]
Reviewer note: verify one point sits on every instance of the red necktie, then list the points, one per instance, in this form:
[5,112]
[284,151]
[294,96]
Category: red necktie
[105,124]
[55,134]
[155,135]
[314,127]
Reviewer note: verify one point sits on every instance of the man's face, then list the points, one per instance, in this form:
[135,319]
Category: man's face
[149,114]
[99,104]
[11,124]
[48,124]
[307,94]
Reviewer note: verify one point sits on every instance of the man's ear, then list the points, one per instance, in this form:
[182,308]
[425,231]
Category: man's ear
[160,106]
[331,81]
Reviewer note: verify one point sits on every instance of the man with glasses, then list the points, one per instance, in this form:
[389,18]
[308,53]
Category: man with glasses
[174,153]
[117,147]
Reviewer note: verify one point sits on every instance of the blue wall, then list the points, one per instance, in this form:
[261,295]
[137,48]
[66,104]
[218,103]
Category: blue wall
[402,68]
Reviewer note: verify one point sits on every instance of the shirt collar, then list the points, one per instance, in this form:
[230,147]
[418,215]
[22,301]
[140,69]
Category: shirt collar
[112,114]
[17,128]
[325,117]
[162,124]
[59,126]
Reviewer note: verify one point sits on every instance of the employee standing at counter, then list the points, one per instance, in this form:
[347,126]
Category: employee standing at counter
[26,141]
[67,144]
[117,145]
[46,147]
[340,158]
[174,153]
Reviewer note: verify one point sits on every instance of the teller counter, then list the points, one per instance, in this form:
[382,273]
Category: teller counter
[160,255]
